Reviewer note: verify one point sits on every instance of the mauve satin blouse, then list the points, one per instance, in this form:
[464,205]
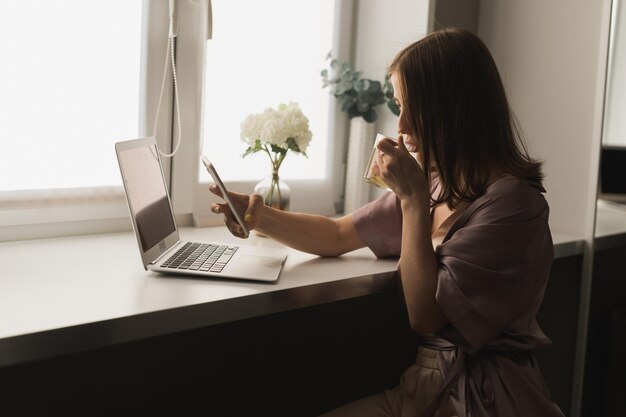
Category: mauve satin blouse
[494,263]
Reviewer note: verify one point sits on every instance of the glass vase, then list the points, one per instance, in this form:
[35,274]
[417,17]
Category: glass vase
[275,192]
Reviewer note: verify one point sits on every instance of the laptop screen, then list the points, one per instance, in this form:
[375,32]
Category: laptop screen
[147,195]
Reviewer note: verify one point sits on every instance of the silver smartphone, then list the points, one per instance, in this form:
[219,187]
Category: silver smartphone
[216,178]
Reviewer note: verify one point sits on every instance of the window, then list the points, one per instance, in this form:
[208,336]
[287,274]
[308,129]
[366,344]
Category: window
[70,76]
[76,77]
[70,79]
[615,124]
[79,76]
[262,54]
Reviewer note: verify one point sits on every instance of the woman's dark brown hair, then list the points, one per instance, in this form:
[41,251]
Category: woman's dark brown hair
[456,108]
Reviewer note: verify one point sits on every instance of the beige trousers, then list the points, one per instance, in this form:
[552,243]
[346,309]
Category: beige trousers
[418,386]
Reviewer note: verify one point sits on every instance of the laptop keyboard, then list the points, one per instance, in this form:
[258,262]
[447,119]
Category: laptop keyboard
[201,257]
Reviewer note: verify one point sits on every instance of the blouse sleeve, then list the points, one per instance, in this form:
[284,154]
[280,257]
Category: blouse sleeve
[379,224]
[496,264]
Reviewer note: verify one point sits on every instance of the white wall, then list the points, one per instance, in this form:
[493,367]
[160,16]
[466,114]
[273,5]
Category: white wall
[383,28]
[549,53]
[456,13]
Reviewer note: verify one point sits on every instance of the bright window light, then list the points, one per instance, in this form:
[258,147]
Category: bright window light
[264,53]
[70,89]
[615,123]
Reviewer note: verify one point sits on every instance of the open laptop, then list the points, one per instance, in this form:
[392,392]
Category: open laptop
[157,234]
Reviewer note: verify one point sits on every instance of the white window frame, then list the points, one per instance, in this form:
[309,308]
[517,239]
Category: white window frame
[191,196]
[49,213]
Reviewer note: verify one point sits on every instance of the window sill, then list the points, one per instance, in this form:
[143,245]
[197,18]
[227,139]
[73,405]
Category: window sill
[91,291]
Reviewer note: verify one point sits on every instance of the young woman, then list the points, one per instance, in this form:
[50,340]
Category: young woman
[469,221]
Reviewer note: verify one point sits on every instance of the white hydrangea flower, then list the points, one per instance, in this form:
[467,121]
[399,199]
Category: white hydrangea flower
[250,129]
[276,126]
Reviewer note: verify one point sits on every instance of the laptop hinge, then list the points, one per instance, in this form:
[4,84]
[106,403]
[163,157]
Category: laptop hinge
[167,252]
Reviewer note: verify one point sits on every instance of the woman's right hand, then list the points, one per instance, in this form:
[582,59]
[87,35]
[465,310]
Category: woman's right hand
[401,172]
[247,206]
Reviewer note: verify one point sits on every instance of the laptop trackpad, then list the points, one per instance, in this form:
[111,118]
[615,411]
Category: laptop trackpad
[260,261]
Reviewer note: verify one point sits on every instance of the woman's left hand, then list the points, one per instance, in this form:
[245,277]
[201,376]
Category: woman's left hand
[401,172]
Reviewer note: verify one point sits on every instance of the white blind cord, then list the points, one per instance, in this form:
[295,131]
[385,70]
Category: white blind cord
[169,54]
[203,99]
[209,35]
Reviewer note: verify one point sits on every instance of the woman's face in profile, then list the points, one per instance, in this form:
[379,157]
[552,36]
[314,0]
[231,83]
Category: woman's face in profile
[403,126]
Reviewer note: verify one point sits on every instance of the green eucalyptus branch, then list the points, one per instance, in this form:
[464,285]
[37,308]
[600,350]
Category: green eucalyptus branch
[358,96]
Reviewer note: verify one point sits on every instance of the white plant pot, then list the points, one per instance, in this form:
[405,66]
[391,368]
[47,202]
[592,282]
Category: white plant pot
[360,142]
